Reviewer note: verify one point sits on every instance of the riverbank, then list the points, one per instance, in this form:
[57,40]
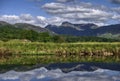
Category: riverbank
[32,53]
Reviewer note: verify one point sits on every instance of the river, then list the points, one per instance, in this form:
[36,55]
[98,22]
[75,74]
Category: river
[58,74]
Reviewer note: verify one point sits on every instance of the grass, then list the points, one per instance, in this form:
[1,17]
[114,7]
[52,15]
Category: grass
[18,52]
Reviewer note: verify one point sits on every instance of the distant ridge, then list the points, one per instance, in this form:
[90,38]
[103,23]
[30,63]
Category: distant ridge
[25,26]
[89,29]
[32,27]
[67,28]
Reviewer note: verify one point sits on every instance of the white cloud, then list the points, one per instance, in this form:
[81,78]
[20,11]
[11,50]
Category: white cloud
[24,18]
[40,20]
[54,6]
[55,20]
[117,10]
[27,18]
[116,17]
[60,12]
[80,12]
[10,18]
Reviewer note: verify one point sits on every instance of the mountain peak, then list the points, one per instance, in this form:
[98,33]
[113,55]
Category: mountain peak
[66,24]
[69,25]
[88,29]
[31,27]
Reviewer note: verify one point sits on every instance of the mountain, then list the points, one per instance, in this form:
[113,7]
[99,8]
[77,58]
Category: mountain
[33,33]
[67,28]
[23,31]
[113,29]
[89,29]
[79,26]
[25,26]
[3,23]
[30,27]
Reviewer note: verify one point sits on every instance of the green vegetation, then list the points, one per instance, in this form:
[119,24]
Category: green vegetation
[110,36]
[24,46]
[9,32]
[26,52]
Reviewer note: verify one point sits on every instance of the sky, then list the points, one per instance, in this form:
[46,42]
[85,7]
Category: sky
[44,12]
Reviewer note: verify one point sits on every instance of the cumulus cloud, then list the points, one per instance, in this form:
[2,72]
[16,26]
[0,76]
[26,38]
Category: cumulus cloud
[24,18]
[86,12]
[40,20]
[53,6]
[116,17]
[56,20]
[35,20]
[10,18]
[117,10]
[60,11]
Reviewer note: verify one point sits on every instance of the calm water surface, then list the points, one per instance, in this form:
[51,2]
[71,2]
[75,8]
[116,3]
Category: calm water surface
[42,74]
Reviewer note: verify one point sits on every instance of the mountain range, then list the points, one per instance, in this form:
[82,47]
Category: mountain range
[89,29]
[25,26]
[67,28]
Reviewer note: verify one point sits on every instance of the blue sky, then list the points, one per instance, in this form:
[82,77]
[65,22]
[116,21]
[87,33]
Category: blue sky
[42,11]
[18,7]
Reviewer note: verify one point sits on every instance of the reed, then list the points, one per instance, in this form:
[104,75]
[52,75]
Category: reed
[37,52]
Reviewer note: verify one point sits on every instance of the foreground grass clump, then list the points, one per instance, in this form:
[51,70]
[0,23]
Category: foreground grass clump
[36,52]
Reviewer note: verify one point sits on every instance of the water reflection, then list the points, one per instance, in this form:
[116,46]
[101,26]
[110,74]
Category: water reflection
[42,74]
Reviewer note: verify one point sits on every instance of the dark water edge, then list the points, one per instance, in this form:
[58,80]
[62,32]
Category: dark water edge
[65,67]
[84,66]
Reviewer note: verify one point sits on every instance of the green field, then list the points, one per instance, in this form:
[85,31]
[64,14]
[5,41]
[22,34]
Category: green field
[24,52]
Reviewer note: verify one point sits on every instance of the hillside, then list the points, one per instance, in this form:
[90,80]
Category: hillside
[3,23]
[23,31]
[67,28]
[30,27]
[34,33]
[25,26]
